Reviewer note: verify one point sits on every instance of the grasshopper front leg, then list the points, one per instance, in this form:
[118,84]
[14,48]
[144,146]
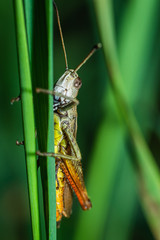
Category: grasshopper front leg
[16,99]
[53,93]
[56,155]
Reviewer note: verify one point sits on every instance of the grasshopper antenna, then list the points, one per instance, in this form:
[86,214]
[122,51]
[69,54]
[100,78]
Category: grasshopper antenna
[94,49]
[61,34]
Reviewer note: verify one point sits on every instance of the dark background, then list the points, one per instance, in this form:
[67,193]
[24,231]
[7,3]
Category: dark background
[124,218]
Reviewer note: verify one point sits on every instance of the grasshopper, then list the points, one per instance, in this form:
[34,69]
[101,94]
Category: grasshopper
[69,174]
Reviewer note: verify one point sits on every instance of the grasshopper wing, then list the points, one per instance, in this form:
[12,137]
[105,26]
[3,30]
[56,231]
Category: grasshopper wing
[73,173]
[67,199]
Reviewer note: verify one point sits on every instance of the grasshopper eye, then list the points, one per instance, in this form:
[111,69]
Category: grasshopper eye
[77,83]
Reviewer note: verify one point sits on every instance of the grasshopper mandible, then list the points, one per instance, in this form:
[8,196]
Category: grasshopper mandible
[69,175]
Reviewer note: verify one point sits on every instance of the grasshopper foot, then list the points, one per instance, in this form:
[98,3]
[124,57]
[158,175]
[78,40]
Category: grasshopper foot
[16,99]
[19,143]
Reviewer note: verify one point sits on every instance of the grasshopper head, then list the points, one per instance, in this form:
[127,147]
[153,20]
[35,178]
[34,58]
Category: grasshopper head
[68,84]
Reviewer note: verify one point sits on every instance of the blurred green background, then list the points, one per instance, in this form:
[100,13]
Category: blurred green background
[106,151]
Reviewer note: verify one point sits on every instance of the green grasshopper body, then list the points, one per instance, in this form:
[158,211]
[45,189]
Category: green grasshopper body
[69,174]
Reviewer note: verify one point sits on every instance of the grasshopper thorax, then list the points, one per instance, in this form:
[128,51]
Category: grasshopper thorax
[68,84]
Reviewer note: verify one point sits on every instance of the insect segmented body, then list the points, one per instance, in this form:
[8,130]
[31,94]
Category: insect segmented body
[63,190]
[69,174]
[68,171]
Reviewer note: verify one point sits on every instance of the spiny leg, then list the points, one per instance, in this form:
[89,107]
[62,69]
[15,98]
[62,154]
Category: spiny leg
[72,140]
[73,144]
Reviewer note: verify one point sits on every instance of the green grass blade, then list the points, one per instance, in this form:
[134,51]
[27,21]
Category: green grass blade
[135,47]
[122,209]
[102,182]
[136,43]
[28,115]
[106,157]
[51,161]
[147,173]
[40,38]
